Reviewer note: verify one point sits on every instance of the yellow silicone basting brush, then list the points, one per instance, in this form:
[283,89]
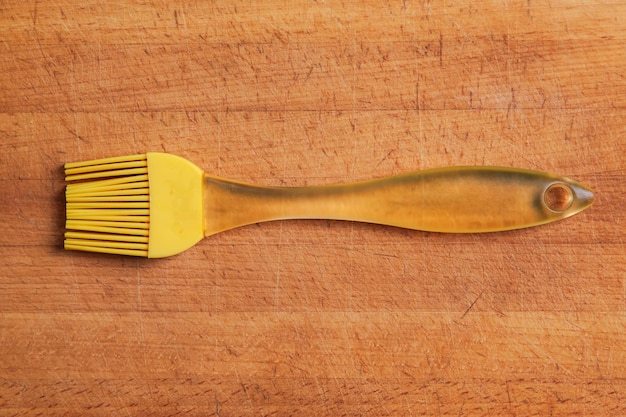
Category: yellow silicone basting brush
[158,204]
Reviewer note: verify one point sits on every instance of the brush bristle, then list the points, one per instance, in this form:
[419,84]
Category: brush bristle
[108,205]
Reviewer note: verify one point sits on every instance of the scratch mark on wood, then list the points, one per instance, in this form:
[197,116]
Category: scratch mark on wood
[473,304]
[440,50]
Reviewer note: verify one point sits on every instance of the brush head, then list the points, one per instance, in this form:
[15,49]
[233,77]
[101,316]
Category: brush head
[146,205]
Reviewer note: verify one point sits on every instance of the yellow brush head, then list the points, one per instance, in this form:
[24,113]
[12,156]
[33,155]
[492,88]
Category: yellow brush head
[143,205]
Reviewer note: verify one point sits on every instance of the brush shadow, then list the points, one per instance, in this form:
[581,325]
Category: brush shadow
[59,207]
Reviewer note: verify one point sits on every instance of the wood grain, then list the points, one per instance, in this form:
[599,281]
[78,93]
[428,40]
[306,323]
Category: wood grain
[315,317]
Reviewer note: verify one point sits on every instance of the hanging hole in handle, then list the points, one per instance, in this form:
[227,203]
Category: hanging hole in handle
[558,197]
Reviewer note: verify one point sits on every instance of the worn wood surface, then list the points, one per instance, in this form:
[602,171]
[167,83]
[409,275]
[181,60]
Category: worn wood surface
[315,317]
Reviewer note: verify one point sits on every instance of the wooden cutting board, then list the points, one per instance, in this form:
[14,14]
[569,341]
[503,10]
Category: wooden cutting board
[315,317]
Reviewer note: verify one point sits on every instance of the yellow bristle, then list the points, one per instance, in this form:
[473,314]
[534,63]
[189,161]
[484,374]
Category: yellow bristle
[137,194]
[127,219]
[102,174]
[105,167]
[115,251]
[91,204]
[108,210]
[106,237]
[84,224]
[104,161]
[107,244]
[94,214]
[134,182]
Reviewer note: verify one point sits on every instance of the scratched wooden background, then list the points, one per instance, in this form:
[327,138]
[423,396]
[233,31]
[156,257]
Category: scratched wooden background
[315,317]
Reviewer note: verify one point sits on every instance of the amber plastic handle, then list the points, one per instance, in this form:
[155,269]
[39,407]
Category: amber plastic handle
[456,200]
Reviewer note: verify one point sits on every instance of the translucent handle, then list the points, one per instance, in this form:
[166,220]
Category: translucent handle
[454,200]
